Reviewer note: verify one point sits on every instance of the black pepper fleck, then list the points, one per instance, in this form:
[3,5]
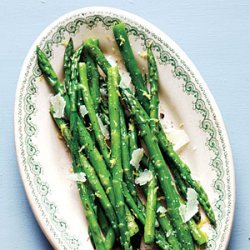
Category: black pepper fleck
[162,115]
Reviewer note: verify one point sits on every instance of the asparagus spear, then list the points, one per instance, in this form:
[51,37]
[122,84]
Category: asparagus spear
[83,85]
[127,168]
[72,91]
[96,159]
[159,236]
[51,77]
[116,161]
[67,62]
[122,41]
[174,161]
[182,188]
[164,177]
[168,229]
[85,138]
[199,236]
[152,187]
[149,228]
[97,55]
[173,158]
[93,79]
[132,226]
[132,135]
[89,171]
[90,215]
[162,218]
[161,242]
[106,229]
[83,190]
[131,203]
[110,239]
[154,100]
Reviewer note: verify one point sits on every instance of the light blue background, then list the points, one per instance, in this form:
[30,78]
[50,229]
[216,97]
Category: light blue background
[216,36]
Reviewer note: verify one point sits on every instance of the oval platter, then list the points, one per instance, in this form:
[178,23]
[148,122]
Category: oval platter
[185,100]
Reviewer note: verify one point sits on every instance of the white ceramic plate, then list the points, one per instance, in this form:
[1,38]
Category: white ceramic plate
[44,161]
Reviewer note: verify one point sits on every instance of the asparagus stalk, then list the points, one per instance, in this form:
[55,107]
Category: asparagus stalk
[161,242]
[182,188]
[149,228]
[110,239]
[51,77]
[106,229]
[162,217]
[199,236]
[131,203]
[152,187]
[83,85]
[116,161]
[173,158]
[132,135]
[82,188]
[69,51]
[159,236]
[93,79]
[89,171]
[168,229]
[97,55]
[72,91]
[154,100]
[164,177]
[90,215]
[96,159]
[174,161]
[122,41]
[132,226]
[85,138]
[127,168]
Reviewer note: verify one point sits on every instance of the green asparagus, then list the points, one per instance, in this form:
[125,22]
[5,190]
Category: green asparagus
[116,161]
[164,177]
[83,85]
[67,62]
[122,41]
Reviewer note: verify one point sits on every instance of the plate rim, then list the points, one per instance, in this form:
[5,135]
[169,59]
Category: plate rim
[182,55]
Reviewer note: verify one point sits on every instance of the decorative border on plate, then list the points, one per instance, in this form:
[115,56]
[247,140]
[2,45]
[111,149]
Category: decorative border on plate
[26,109]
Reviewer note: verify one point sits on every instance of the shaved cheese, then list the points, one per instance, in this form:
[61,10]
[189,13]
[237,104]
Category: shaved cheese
[58,104]
[111,61]
[161,210]
[81,177]
[122,85]
[191,208]
[125,77]
[103,128]
[103,92]
[144,177]
[178,137]
[83,110]
[136,157]
[156,223]
[168,233]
